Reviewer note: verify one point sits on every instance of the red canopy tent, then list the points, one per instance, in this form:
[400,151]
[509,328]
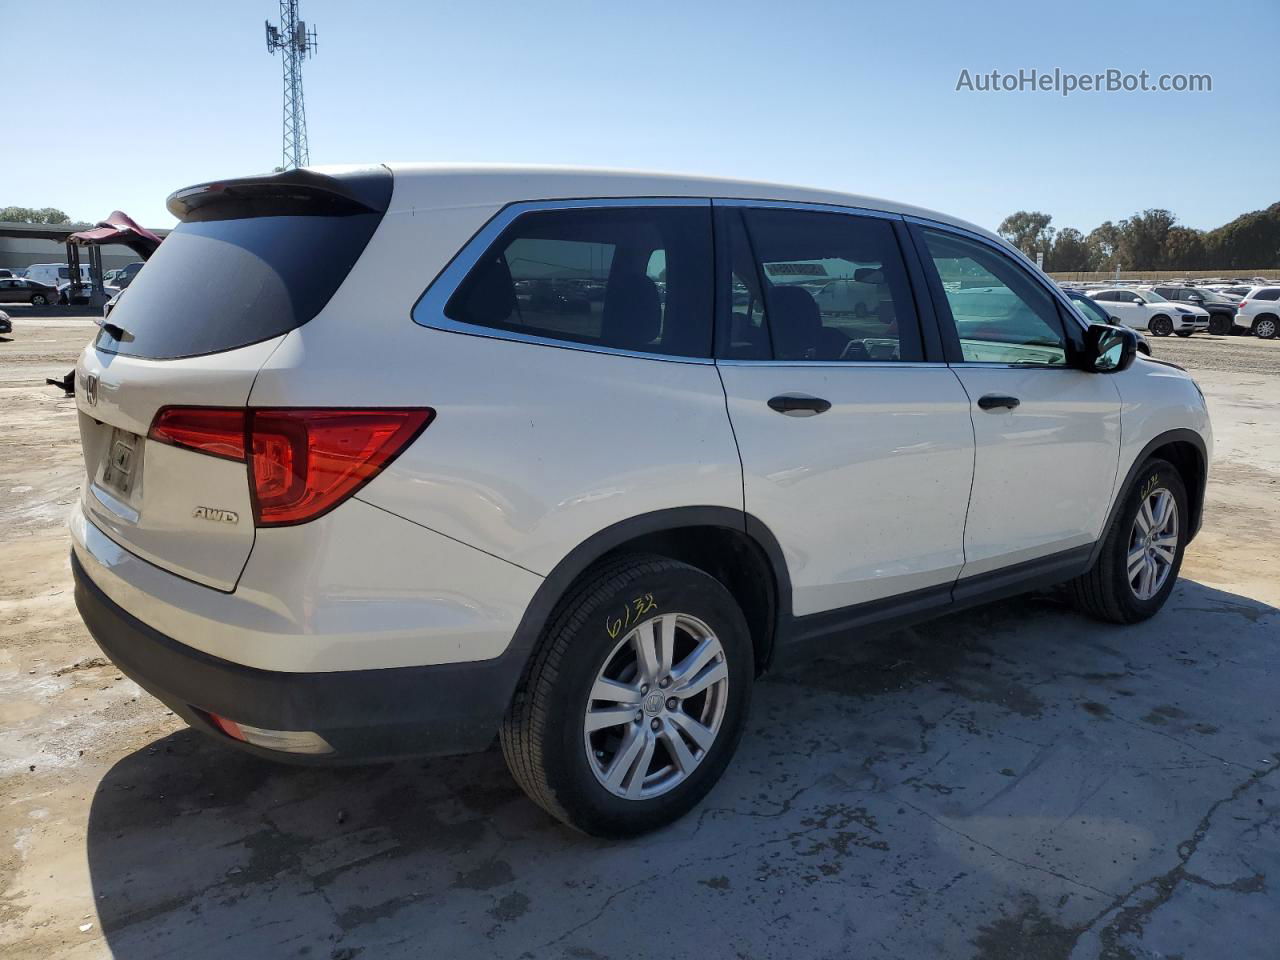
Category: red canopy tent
[119,228]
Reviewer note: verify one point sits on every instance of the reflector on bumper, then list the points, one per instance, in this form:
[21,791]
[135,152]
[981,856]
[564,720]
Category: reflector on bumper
[285,741]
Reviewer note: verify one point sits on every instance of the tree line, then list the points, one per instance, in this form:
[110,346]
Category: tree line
[1150,240]
[33,215]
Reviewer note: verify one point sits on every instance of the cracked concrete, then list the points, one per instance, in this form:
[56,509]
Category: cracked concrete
[1012,782]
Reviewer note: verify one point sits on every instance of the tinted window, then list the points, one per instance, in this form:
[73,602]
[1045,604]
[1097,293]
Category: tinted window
[1000,313]
[221,284]
[1272,294]
[627,278]
[834,288]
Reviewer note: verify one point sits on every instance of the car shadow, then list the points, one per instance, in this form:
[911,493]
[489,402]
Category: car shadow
[196,850]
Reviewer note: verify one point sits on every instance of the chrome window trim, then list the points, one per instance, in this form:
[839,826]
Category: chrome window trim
[835,364]
[804,206]
[428,311]
[1013,253]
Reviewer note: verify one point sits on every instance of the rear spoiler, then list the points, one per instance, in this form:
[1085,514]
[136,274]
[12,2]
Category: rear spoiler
[293,193]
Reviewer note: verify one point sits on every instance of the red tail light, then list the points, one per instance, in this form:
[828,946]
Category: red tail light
[1243,304]
[302,462]
[213,430]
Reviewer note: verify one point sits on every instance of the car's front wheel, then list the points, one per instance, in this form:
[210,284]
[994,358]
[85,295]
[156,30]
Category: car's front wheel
[635,700]
[1161,326]
[1141,551]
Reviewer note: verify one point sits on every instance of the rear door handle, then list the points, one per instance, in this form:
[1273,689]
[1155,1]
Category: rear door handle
[994,401]
[795,405]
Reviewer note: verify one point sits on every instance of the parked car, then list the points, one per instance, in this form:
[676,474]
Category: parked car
[5,273]
[125,275]
[588,534]
[1259,312]
[1221,310]
[1146,310]
[22,290]
[6,325]
[53,274]
[1094,313]
[67,294]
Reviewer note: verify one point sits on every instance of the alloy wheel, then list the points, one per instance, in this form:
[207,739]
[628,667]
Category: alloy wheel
[1153,544]
[1266,329]
[656,706]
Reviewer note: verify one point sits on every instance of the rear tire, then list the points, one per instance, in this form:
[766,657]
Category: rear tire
[1265,327]
[39,300]
[1107,590]
[1161,326]
[1219,325]
[589,735]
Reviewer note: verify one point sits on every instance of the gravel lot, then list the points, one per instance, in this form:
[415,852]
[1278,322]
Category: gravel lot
[1011,782]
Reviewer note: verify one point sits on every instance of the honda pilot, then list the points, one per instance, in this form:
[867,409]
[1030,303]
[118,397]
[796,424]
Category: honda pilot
[399,460]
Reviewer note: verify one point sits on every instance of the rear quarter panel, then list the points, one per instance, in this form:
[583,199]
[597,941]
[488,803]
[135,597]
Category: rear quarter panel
[533,448]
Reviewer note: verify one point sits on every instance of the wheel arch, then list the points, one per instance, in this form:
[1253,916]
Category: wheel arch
[734,547]
[1183,448]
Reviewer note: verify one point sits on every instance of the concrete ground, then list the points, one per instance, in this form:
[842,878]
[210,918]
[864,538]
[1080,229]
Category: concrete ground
[1012,782]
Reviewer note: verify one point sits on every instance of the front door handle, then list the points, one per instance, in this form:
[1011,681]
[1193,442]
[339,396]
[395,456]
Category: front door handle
[994,401]
[795,405]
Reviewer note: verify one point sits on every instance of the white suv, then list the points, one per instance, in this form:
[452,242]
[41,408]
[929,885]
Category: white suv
[1145,309]
[389,461]
[1259,312]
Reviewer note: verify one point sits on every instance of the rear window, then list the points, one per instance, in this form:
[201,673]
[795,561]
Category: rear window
[624,278]
[219,284]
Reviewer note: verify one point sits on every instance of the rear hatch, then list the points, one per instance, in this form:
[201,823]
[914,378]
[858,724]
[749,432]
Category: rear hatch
[251,260]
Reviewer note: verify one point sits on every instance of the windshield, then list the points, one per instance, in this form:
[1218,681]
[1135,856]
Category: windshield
[1150,296]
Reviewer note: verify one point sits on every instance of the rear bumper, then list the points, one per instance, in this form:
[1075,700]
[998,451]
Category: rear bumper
[364,715]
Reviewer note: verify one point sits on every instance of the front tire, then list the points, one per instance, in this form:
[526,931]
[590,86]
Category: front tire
[1161,326]
[1141,551]
[1219,325]
[635,700]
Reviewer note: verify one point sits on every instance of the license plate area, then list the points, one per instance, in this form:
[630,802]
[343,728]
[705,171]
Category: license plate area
[123,463]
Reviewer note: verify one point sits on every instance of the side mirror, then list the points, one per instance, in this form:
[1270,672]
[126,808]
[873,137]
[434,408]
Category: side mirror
[1108,349]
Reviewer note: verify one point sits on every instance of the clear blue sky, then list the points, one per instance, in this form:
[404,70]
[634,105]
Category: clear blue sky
[852,96]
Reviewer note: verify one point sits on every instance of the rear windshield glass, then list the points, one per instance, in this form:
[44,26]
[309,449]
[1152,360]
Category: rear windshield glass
[221,284]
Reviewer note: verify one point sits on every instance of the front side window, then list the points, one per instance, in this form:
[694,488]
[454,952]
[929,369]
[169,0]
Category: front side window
[1001,314]
[623,278]
[1091,311]
[821,287]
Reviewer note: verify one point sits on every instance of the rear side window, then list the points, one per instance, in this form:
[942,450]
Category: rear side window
[217,284]
[833,285]
[622,278]
[1271,294]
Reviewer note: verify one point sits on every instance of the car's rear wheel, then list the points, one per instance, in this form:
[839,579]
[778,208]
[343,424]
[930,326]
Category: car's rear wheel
[1265,327]
[635,700]
[1161,326]
[39,299]
[1141,552]
[1219,325]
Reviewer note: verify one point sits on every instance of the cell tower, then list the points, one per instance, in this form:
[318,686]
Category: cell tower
[296,43]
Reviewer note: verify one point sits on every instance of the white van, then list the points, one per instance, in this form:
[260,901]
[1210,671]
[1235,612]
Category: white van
[54,274]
